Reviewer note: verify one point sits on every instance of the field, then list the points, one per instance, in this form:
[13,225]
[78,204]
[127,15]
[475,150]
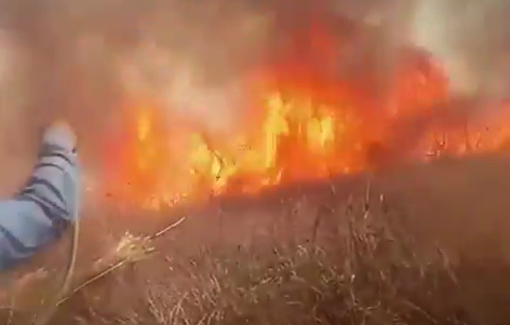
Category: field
[421,244]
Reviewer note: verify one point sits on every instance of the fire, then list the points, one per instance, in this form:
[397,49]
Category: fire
[289,130]
[298,140]
[312,127]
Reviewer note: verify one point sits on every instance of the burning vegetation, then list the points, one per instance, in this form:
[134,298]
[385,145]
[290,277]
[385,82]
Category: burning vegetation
[305,92]
[304,121]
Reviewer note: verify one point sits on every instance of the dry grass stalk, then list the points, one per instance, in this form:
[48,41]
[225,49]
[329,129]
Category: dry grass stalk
[130,249]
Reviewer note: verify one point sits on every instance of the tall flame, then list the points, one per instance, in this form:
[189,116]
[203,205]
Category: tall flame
[313,127]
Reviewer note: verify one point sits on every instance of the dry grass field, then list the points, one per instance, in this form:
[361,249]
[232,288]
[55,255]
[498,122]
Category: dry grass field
[418,245]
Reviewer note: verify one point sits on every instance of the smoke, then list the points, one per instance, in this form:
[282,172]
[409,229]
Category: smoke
[471,39]
[88,61]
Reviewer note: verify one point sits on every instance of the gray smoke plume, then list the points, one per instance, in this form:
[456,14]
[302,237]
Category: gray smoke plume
[471,38]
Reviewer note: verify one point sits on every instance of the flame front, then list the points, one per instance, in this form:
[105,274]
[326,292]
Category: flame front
[312,127]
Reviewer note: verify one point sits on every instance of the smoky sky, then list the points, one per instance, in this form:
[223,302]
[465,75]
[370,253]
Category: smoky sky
[471,39]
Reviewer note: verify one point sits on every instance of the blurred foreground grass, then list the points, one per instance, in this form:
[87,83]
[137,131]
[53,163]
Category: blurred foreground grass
[364,269]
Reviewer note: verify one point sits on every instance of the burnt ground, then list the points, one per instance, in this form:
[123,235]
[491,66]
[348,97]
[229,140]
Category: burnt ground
[425,244]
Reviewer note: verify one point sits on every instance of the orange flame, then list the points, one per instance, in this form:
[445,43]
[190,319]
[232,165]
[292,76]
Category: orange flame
[313,127]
